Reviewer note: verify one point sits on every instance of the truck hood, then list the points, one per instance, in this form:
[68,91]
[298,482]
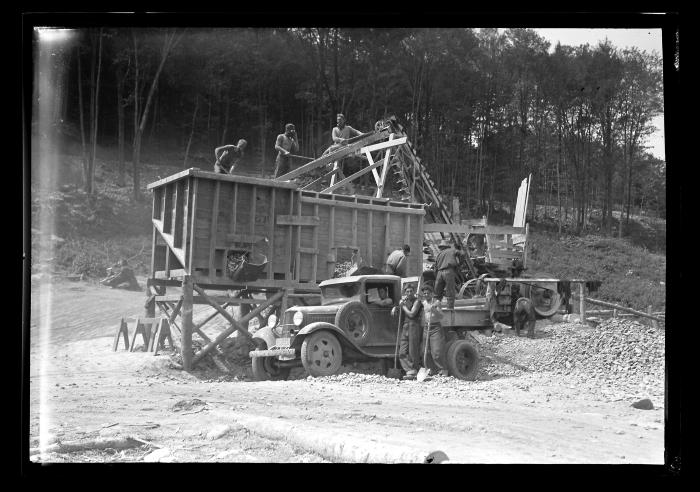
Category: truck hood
[316,310]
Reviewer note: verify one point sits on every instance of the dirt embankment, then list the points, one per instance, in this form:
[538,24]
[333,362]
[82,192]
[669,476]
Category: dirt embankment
[563,397]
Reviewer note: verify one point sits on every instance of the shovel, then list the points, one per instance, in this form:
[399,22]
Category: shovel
[424,371]
[395,373]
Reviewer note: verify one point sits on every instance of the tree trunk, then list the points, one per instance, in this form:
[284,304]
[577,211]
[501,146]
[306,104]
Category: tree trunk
[85,160]
[120,128]
[96,112]
[226,115]
[138,131]
[189,141]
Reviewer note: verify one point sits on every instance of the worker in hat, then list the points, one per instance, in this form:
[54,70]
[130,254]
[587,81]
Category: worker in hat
[285,144]
[228,156]
[446,264]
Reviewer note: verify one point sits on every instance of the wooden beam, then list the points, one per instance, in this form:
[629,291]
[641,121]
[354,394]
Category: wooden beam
[235,325]
[185,221]
[318,180]
[193,221]
[296,220]
[271,234]
[288,270]
[387,234]
[370,236]
[314,266]
[352,177]
[597,302]
[331,239]
[453,228]
[297,272]
[333,156]
[179,254]
[212,230]
[186,346]
[363,206]
[385,145]
[354,226]
[385,168]
[244,238]
[199,325]
[198,173]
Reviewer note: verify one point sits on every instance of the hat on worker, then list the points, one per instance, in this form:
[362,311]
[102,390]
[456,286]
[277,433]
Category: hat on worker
[444,244]
[289,126]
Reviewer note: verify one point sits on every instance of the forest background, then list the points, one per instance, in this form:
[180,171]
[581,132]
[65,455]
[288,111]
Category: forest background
[483,107]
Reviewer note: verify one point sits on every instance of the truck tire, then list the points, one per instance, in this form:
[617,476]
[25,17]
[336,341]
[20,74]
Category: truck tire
[463,360]
[321,353]
[266,368]
[354,319]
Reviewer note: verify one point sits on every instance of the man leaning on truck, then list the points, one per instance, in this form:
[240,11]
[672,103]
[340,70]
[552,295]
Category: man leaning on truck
[397,262]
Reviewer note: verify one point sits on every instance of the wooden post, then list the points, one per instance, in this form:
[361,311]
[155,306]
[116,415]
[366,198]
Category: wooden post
[614,313]
[235,324]
[271,234]
[314,267]
[186,345]
[582,301]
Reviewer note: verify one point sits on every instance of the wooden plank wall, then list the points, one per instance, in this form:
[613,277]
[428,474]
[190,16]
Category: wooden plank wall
[345,224]
[307,232]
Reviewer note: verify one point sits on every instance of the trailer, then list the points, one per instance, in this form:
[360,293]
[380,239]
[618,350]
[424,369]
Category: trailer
[260,244]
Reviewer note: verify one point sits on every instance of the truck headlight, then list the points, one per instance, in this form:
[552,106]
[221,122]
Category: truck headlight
[298,318]
[271,321]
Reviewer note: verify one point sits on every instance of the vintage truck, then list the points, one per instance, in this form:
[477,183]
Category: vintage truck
[349,327]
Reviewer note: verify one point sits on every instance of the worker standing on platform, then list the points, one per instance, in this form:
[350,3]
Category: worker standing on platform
[397,262]
[285,144]
[341,134]
[228,156]
[446,264]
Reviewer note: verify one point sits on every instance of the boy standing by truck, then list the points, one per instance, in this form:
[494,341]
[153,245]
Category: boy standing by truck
[409,349]
[432,316]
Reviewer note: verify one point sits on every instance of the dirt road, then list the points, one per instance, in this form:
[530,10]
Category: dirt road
[81,391]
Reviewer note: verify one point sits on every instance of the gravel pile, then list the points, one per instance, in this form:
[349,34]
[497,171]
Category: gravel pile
[614,350]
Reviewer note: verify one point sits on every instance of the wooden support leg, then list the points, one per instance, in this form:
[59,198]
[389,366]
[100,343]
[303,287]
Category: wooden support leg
[122,331]
[186,345]
[582,301]
[162,334]
[235,324]
[145,334]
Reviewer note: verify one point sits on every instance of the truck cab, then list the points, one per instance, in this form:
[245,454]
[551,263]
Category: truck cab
[353,323]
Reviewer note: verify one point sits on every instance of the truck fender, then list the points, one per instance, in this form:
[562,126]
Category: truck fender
[265,334]
[320,325]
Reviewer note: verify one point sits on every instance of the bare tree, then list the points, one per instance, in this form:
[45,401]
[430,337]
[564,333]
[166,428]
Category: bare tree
[141,115]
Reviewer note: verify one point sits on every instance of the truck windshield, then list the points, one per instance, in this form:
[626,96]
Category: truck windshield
[332,294]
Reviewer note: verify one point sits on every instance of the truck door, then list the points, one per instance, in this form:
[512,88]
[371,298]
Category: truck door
[384,325]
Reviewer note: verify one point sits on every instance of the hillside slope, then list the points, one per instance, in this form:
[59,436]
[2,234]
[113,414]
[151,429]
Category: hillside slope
[83,235]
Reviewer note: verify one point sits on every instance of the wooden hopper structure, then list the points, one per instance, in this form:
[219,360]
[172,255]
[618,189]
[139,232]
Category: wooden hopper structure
[292,238]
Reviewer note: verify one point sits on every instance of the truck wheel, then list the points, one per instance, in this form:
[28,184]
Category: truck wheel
[354,318]
[321,354]
[463,360]
[266,368]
